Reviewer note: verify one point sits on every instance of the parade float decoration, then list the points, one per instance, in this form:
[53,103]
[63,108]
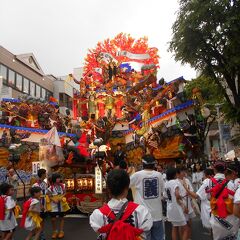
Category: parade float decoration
[120,100]
[50,149]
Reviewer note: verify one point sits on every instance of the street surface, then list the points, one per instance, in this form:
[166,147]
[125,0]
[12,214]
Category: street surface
[78,228]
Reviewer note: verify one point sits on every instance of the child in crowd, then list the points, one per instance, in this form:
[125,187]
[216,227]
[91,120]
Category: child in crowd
[8,221]
[58,204]
[31,219]
[134,218]
[44,187]
[175,205]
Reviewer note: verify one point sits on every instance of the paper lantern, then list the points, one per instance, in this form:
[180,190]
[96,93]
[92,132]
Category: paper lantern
[70,184]
[85,183]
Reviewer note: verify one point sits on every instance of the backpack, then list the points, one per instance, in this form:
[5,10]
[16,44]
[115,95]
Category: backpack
[26,207]
[220,203]
[2,207]
[119,229]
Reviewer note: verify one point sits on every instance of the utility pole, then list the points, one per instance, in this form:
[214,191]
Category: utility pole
[222,150]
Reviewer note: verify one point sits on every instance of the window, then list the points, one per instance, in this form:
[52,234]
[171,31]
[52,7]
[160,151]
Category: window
[32,89]
[43,93]
[69,105]
[65,100]
[3,73]
[26,85]
[49,94]
[61,99]
[38,91]
[19,82]
[11,78]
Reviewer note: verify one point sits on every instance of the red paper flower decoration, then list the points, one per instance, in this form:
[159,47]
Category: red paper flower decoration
[122,42]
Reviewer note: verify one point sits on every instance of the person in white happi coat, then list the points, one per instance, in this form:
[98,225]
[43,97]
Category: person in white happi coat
[8,223]
[41,182]
[176,208]
[118,184]
[58,205]
[236,208]
[149,188]
[204,197]
[222,227]
[186,198]
[32,221]
[197,177]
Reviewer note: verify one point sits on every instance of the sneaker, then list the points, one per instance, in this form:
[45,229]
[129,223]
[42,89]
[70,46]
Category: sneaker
[54,235]
[61,234]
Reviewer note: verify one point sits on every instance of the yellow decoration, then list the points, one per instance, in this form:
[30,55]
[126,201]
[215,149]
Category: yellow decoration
[48,204]
[60,198]
[36,218]
[17,211]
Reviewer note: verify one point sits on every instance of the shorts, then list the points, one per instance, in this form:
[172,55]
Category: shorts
[57,214]
[44,215]
[9,231]
[179,224]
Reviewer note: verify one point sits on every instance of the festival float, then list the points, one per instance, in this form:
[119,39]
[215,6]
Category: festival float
[120,100]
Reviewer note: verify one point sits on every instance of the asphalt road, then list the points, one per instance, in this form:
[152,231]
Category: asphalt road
[79,229]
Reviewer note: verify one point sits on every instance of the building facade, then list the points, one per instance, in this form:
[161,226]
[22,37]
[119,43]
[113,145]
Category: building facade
[65,89]
[22,74]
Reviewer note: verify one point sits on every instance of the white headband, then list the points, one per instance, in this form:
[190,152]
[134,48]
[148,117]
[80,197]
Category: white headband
[148,163]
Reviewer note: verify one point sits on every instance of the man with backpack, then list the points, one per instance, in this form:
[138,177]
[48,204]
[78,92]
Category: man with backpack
[224,224]
[149,187]
[120,219]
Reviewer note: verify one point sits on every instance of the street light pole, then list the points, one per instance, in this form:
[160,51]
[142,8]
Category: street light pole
[222,151]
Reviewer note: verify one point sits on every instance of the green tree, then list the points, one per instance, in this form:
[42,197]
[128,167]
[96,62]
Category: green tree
[210,96]
[206,36]
[210,91]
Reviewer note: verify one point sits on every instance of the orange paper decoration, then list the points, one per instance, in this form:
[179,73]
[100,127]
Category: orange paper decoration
[122,42]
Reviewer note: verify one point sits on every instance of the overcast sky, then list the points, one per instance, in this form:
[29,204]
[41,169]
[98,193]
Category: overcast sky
[59,32]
